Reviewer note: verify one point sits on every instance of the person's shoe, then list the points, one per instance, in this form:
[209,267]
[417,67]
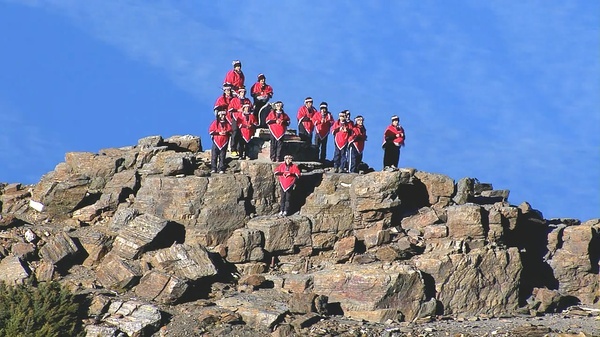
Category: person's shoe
[213,171]
[243,157]
[221,172]
[336,170]
[284,213]
[234,153]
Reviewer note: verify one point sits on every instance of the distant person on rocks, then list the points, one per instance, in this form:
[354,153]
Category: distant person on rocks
[261,93]
[278,121]
[357,144]
[393,139]
[322,121]
[288,173]
[247,123]
[305,120]
[234,111]
[220,132]
[235,76]
[341,131]
[223,101]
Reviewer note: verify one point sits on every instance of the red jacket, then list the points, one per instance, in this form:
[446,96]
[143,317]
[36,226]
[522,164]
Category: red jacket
[358,137]
[341,133]
[278,123]
[394,134]
[215,130]
[247,124]
[322,124]
[223,101]
[235,79]
[287,175]
[259,90]
[234,110]
[305,116]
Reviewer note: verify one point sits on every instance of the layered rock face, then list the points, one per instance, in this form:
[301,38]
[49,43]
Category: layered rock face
[150,222]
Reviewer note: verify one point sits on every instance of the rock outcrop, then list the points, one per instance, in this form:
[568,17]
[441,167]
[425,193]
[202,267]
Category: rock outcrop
[150,224]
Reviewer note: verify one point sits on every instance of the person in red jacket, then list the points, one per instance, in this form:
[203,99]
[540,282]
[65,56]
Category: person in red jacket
[247,124]
[393,139]
[234,111]
[223,101]
[235,76]
[278,121]
[341,131]
[305,122]
[261,92]
[322,121]
[357,144]
[288,173]
[220,131]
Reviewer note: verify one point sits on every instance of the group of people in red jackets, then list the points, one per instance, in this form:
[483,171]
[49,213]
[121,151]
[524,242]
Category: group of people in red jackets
[237,119]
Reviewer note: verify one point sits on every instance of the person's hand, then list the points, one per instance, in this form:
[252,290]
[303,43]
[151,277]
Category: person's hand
[279,121]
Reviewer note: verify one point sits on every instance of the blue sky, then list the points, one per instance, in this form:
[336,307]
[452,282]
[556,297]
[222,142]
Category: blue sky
[507,92]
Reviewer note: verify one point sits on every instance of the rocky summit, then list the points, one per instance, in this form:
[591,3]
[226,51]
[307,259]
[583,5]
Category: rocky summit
[159,246]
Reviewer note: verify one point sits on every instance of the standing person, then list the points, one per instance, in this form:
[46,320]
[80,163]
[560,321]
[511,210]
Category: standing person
[278,121]
[341,131]
[234,111]
[220,131]
[235,76]
[357,143]
[261,92]
[287,172]
[247,124]
[305,120]
[223,101]
[393,139]
[322,121]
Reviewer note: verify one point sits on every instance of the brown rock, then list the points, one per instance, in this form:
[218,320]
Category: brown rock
[59,248]
[12,270]
[329,204]
[465,221]
[437,185]
[161,287]
[117,273]
[426,216]
[282,234]
[298,283]
[191,262]
[363,288]
[323,241]
[184,143]
[137,234]
[344,248]
[241,245]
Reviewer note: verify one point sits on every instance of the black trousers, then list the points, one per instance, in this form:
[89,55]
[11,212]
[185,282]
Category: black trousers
[321,147]
[244,148]
[217,158]
[340,157]
[276,149]
[391,154]
[305,136]
[354,158]
[286,197]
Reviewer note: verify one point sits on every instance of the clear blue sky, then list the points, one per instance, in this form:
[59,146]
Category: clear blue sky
[504,91]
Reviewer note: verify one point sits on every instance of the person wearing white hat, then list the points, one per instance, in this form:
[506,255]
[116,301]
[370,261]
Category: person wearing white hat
[220,131]
[393,139]
[235,76]
[341,131]
[305,122]
[322,121]
[234,111]
[222,102]
[261,93]
[357,144]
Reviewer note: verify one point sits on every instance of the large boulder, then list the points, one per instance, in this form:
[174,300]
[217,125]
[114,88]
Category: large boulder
[190,262]
[575,263]
[372,291]
[210,208]
[283,234]
[329,206]
[484,281]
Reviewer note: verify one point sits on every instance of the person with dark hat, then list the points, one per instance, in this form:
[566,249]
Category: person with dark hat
[305,122]
[357,144]
[261,93]
[220,131]
[222,102]
[322,121]
[278,121]
[234,111]
[393,139]
[341,131]
[235,76]
[288,173]
[247,124]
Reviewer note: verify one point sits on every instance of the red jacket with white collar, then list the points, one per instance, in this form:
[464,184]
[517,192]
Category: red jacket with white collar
[216,128]
[278,123]
[287,175]
[341,133]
